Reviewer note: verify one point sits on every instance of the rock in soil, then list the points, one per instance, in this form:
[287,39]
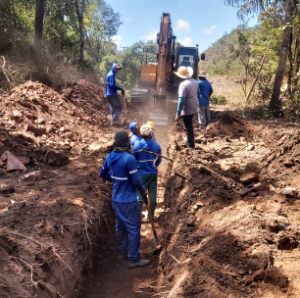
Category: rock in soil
[55,158]
[38,131]
[32,176]
[6,189]
[13,163]
[249,178]
[289,192]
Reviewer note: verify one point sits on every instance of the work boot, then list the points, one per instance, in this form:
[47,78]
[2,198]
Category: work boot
[138,263]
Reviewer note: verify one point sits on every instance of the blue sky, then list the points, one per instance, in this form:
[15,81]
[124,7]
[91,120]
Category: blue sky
[194,21]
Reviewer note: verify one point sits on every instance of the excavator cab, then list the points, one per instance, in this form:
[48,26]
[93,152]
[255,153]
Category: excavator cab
[188,57]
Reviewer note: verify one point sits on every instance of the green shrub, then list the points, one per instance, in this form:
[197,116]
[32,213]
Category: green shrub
[218,100]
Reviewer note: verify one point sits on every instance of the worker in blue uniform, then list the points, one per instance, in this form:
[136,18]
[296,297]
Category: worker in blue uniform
[120,168]
[136,134]
[111,94]
[147,164]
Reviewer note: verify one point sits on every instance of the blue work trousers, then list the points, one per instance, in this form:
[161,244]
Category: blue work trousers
[115,108]
[128,228]
[150,183]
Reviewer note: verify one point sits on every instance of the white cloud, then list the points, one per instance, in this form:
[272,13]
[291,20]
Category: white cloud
[210,30]
[151,35]
[183,25]
[117,39]
[128,19]
[186,41]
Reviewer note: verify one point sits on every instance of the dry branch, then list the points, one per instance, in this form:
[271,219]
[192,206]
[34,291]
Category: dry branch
[43,246]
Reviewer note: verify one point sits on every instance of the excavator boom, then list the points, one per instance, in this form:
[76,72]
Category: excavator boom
[159,114]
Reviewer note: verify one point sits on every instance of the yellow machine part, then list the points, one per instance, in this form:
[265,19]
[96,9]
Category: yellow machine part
[148,73]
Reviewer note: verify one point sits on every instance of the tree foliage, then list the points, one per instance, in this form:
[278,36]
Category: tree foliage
[76,32]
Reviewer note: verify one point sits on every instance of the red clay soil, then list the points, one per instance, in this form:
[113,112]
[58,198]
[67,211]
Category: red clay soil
[226,235]
[54,213]
[228,225]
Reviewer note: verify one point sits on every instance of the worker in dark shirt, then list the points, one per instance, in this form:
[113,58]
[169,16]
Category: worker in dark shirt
[205,93]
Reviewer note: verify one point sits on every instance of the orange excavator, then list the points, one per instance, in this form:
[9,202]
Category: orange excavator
[160,76]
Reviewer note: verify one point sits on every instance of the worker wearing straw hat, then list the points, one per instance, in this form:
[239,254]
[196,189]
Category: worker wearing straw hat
[187,102]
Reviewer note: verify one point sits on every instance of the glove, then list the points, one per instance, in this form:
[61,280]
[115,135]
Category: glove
[123,92]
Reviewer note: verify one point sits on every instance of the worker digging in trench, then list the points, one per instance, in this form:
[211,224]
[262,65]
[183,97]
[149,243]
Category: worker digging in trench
[187,102]
[147,164]
[111,94]
[120,168]
[134,127]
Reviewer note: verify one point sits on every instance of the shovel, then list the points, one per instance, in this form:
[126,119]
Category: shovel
[156,247]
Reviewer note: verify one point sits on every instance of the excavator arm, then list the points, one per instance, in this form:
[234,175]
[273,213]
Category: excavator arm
[164,66]
[164,69]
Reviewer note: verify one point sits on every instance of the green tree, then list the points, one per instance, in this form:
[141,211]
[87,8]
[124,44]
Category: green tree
[104,24]
[252,6]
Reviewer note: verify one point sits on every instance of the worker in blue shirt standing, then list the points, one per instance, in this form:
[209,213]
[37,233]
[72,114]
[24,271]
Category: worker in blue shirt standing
[205,93]
[147,164]
[120,168]
[111,94]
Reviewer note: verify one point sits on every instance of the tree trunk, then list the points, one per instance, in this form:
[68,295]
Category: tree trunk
[256,78]
[38,31]
[79,12]
[275,101]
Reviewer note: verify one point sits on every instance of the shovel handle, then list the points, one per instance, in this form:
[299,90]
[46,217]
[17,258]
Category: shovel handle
[124,102]
[151,221]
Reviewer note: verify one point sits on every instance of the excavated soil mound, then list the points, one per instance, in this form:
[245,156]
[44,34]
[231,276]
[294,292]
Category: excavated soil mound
[226,228]
[282,166]
[38,113]
[53,207]
[226,124]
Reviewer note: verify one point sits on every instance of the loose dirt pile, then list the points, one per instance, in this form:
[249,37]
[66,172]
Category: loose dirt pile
[227,228]
[282,166]
[39,114]
[53,208]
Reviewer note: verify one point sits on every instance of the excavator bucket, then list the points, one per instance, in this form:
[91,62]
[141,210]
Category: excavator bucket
[159,118]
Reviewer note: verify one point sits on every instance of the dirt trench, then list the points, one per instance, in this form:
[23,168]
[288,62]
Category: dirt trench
[227,220]
[228,226]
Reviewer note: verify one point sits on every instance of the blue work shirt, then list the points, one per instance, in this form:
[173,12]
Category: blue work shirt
[147,163]
[111,87]
[134,138]
[205,90]
[120,168]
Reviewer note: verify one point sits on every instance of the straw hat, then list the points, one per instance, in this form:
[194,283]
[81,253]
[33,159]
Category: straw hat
[184,72]
[202,74]
[145,130]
